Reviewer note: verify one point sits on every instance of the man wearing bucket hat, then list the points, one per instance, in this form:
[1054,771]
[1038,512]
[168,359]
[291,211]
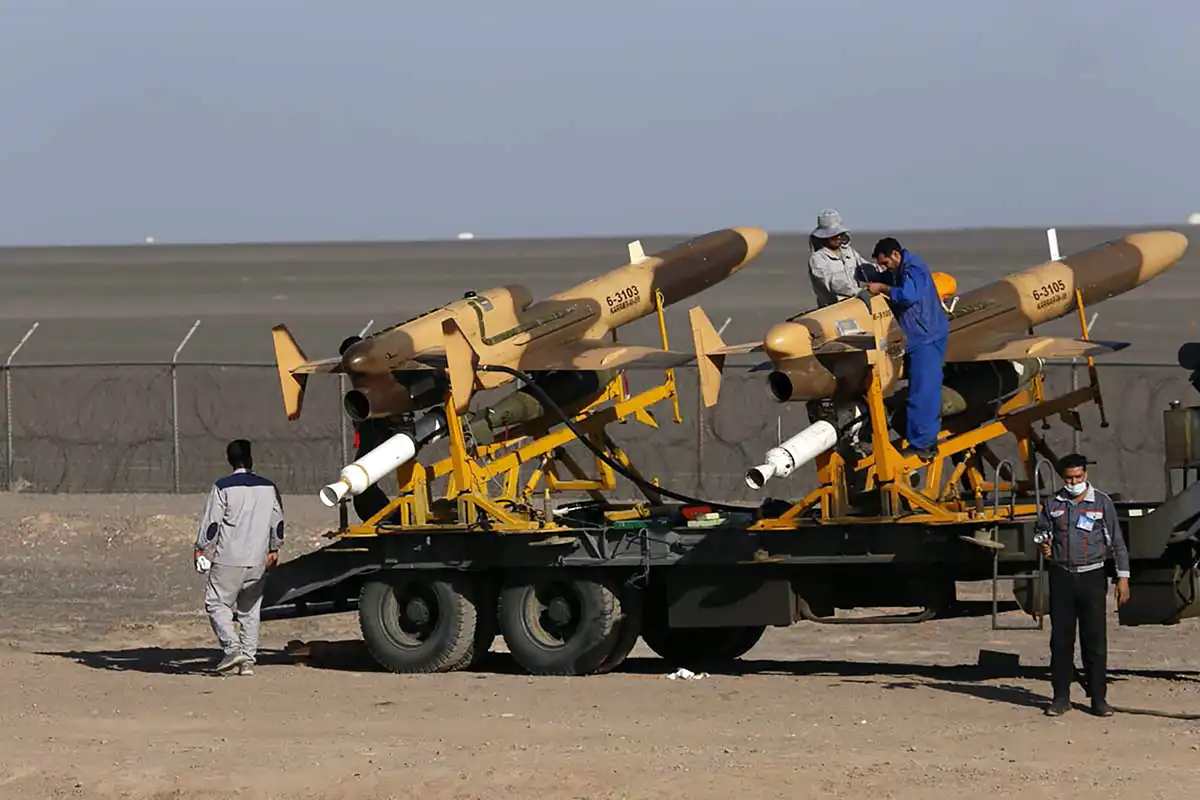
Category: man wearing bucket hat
[836,269]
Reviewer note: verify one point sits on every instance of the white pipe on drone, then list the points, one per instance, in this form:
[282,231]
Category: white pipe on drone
[783,460]
[389,456]
[358,475]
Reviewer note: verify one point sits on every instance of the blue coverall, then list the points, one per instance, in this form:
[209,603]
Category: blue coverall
[919,313]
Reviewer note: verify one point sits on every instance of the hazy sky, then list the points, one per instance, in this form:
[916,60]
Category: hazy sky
[274,120]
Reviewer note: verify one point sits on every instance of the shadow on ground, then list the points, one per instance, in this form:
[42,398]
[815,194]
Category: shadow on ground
[352,656]
[164,660]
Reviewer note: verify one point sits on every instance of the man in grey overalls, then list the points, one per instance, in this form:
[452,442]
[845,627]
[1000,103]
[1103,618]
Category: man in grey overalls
[238,541]
[1079,526]
[836,269]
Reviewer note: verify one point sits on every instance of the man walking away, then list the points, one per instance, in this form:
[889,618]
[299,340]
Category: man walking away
[240,535]
[919,313]
[1078,528]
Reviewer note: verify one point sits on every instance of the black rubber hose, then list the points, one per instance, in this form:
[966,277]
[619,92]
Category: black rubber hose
[548,402]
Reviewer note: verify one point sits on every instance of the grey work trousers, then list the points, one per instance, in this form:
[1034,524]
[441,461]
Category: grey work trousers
[237,589]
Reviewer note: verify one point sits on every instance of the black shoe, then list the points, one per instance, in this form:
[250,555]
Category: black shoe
[925,454]
[1101,708]
[1058,707]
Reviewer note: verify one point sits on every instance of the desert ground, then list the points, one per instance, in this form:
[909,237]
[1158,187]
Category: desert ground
[106,651]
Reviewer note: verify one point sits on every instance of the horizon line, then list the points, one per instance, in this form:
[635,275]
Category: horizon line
[154,242]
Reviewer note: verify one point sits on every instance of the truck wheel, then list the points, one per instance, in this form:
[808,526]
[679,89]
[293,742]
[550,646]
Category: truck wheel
[486,626]
[690,647]
[629,628]
[557,625]
[418,622]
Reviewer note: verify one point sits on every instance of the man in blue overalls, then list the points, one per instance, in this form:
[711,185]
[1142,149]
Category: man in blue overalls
[918,309]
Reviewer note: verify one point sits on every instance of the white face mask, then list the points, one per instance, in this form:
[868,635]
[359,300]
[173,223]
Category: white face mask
[1075,489]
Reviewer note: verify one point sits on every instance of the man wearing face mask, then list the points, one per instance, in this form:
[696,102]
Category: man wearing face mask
[1077,529]
[836,269]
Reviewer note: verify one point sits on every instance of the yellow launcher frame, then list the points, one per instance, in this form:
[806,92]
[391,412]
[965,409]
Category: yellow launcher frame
[469,501]
[939,498]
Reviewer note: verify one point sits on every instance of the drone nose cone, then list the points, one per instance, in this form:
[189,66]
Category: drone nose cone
[787,340]
[756,240]
[1160,251]
[360,357]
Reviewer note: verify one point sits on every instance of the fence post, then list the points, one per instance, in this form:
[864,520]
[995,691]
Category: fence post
[175,406]
[8,422]
[343,421]
[344,428]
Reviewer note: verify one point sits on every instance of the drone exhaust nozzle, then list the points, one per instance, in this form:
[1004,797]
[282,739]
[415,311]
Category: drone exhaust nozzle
[783,460]
[392,454]
[801,379]
[377,398]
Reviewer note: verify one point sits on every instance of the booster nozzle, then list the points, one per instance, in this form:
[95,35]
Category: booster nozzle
[818,438]
[336,492]
[393,453]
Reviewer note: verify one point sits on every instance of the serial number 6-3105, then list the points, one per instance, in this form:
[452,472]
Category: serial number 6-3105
[622,298]
[1049,290]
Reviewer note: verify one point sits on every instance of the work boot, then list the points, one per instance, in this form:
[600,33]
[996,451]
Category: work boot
[926,454]
[1058,707]
[246,668]
[230,661]
[1101,708]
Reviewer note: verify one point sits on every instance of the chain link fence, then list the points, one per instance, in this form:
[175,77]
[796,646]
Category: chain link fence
[150,428]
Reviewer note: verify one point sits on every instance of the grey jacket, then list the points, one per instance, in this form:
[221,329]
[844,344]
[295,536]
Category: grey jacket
[838,275]
[243,520]
[1083,531]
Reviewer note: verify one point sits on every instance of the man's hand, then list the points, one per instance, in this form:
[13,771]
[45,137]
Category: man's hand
[1122,591]
[272,560]
[1045,546]
[877,288]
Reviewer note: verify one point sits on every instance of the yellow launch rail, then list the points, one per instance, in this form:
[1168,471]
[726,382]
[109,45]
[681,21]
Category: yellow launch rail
[469,499]
[945,496]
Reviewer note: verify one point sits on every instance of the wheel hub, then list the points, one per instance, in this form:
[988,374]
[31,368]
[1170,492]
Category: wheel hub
[559,611]
[551,614]
[417,611]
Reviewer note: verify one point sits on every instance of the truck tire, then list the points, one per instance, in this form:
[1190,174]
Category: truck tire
[486,626]
[692,647]
[418,622]
[629,628]
[557,624]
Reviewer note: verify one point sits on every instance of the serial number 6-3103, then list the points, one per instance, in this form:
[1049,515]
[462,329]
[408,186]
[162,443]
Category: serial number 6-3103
[1049,290]
[622,297]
